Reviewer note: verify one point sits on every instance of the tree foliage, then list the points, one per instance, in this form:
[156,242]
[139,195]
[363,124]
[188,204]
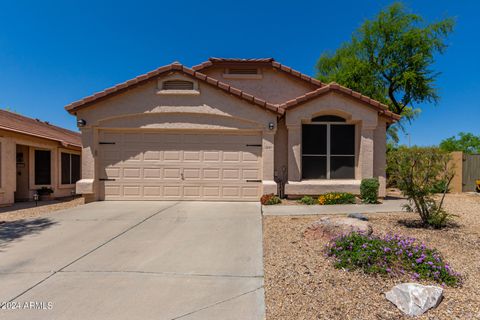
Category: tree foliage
[420,173]
[466,142]
[390,59]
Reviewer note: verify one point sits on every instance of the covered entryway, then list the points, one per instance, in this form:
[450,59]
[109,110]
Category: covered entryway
[174,165]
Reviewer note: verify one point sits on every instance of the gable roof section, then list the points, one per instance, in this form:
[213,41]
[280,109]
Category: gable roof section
[277,108]
[260,61]
[71,108]
[335,87]
[17,123]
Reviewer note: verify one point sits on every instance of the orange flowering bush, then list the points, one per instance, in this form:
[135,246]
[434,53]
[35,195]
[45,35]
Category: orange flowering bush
[336,198]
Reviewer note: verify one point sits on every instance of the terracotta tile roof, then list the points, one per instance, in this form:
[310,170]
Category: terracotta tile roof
[267,61]
[382,108]
[194,73]
[168,68]
[17,123]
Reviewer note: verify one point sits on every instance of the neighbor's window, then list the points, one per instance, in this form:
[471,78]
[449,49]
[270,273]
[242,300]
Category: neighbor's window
[43,167]
[70,168]
[328,149]
[177,85]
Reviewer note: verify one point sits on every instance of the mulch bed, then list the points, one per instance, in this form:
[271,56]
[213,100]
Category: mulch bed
[301,283]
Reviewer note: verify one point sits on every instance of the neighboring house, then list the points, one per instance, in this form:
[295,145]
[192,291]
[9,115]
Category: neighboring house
[36,154]
[228,129]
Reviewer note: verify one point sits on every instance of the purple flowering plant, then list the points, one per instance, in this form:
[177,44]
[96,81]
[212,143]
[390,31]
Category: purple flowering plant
[390,255]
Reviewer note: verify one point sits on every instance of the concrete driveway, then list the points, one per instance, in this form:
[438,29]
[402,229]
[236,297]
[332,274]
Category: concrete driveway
[135,260]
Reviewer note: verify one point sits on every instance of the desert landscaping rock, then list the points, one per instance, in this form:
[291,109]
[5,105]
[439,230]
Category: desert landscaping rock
[302,283]
[359,216]
[330,227]
[414,299]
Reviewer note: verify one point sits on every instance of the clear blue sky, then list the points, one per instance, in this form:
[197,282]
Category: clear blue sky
[56,52]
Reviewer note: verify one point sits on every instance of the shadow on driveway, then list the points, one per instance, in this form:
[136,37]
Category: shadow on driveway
[14,230]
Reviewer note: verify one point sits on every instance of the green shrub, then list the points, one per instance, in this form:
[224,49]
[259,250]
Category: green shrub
[336,198]
[369,190]
[270,199]
[392,255]
[419,173]
[308,200]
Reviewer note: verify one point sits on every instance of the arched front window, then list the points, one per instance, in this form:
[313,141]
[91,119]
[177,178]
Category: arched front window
[328,148]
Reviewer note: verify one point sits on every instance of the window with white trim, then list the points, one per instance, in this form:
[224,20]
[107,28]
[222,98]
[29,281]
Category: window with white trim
[70,168]
[328,149]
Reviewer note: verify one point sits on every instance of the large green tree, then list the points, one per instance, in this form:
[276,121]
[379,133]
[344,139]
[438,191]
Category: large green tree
[390,59]
[466,142]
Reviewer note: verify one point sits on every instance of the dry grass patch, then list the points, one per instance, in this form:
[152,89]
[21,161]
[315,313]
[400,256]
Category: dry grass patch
[301,283]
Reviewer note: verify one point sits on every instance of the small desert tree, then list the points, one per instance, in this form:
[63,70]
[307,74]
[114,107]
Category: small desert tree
[418,174]
[391,58]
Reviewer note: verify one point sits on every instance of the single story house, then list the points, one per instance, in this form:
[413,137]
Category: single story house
[228,129]
[35,154]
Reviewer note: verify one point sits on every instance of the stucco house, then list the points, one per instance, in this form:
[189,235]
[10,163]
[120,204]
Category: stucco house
[228,129]
[35,154]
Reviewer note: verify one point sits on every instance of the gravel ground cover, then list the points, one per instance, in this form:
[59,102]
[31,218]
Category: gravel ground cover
[301,283]
[28,210]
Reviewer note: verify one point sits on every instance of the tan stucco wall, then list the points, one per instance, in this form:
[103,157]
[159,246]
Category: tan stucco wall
[211,109]
[9,141]
[143,107]
[281,150]
[370,137]
[274,85]
[380,156]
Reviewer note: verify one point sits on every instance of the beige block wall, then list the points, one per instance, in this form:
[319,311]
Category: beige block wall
[456,163]
[9,141]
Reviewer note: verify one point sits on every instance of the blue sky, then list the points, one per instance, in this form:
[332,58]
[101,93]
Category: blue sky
[56,52]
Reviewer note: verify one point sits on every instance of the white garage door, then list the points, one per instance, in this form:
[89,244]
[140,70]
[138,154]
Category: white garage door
[173,166]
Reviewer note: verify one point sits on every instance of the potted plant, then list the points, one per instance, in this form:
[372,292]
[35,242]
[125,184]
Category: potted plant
[45,193]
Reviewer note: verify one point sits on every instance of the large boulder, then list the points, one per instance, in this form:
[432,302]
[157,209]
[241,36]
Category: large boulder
[330,227]
[414,299]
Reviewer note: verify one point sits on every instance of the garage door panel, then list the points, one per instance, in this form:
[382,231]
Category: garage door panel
[171,173]
[211,156]
[231,174]
[152,173]
[250,174]
[231,156]
[172,191]
[192,156]
[172,155]
[152,191]
[192,174]
[211,174]
[132,190]
[173,166]
[132,173]
[152,155]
